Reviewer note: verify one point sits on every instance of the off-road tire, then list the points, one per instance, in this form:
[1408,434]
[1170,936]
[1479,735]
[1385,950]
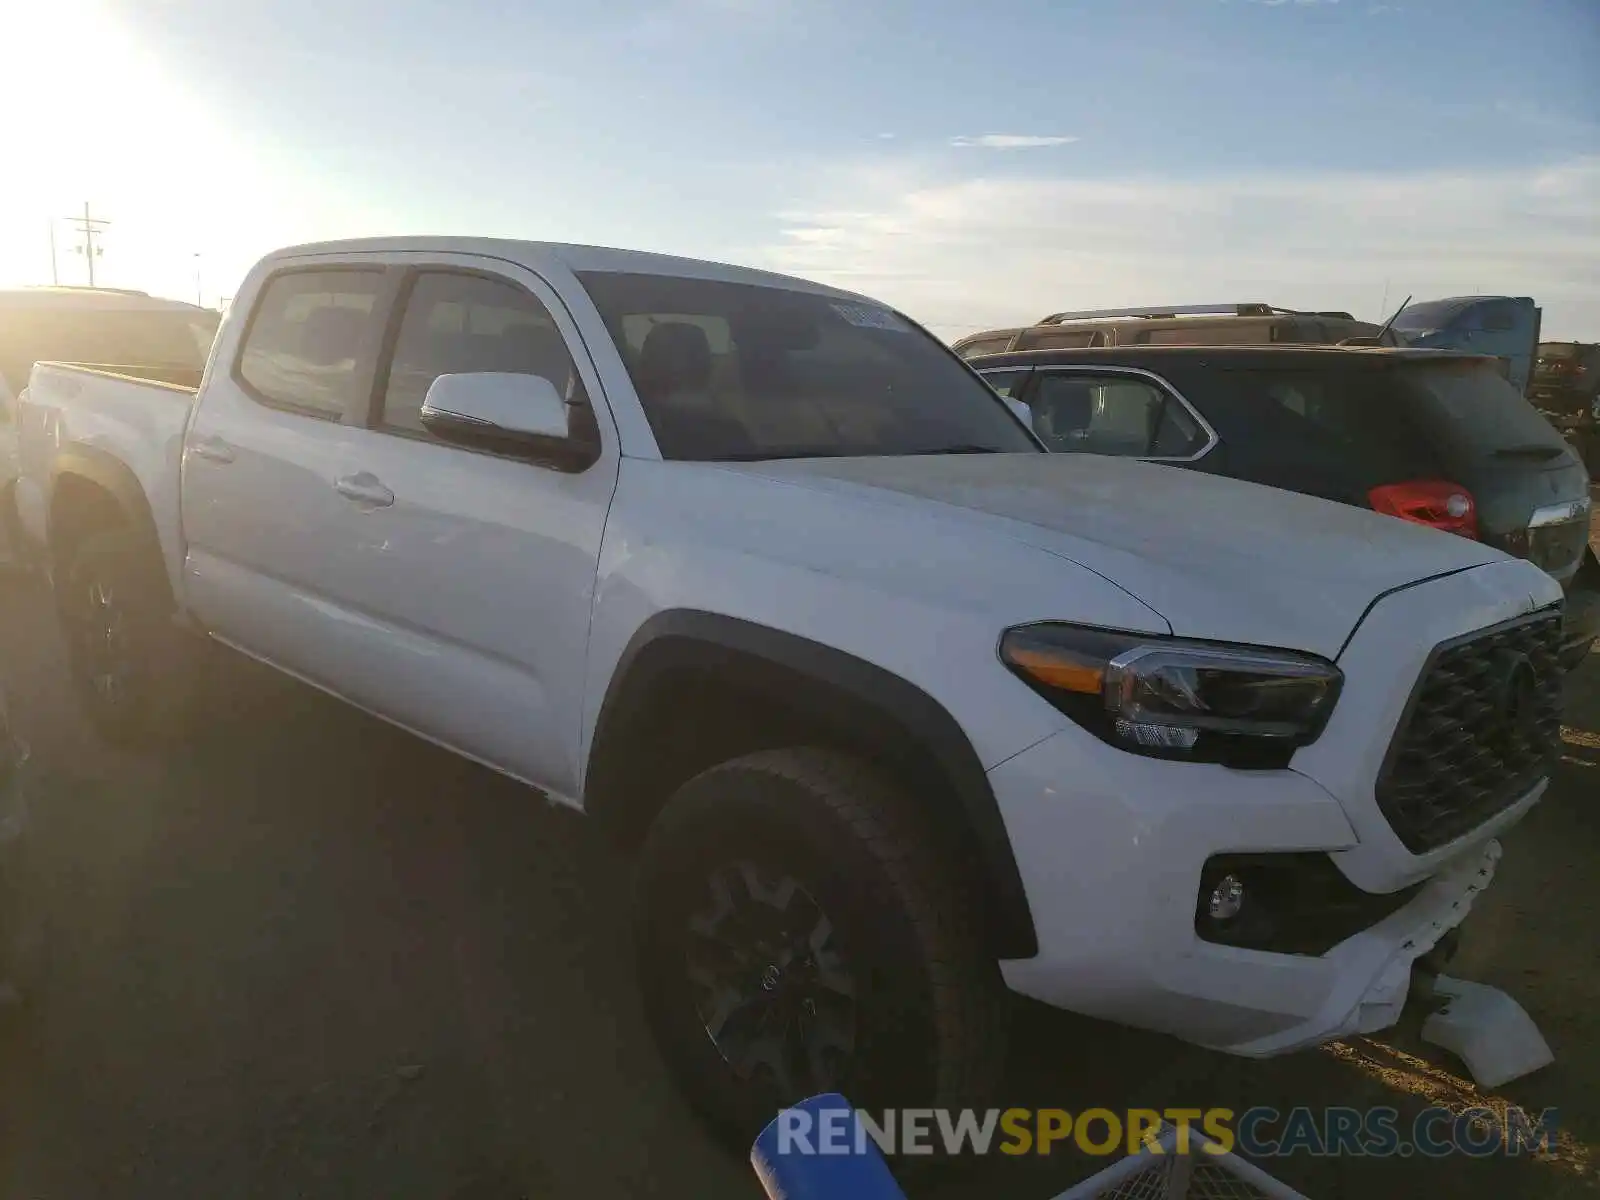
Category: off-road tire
[153,699]
[931,1007]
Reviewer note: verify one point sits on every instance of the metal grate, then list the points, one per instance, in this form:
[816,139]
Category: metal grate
[1481,728]
[1206,1173]
[1209,1182]
[1150,1184]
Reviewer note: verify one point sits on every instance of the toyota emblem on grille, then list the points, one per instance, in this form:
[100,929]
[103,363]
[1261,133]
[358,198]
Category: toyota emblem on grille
[1516,703]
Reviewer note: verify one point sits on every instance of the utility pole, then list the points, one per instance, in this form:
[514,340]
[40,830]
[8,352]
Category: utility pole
[55,267]
[198,302]
[90,227]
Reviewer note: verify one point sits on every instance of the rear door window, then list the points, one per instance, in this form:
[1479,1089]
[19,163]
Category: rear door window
[307,338]
[1178,433]
[1008,382]
[459,323]
[1079,412]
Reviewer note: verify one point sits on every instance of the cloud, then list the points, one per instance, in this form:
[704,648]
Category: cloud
[1012,141]
[977,252]
[673,21]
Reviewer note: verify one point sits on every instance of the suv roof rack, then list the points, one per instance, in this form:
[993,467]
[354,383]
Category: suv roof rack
[1186,310]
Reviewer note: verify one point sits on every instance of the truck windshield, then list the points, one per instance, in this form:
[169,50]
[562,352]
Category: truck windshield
[734,371]
[1430,315]
[104,337]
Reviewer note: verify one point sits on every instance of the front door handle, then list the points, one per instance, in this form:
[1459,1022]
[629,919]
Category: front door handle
[214,449]
[365,488]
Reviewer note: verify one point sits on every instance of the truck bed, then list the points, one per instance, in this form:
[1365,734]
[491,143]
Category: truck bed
[123,424]
[178,379]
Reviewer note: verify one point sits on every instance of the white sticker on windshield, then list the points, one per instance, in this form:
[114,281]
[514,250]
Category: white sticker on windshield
[865,316]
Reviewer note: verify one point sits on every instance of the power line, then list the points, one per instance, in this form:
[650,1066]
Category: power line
[89,227]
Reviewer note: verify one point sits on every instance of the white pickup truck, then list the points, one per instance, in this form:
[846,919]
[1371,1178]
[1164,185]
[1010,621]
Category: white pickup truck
[897,709]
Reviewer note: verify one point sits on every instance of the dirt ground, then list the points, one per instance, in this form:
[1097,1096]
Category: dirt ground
[309,956]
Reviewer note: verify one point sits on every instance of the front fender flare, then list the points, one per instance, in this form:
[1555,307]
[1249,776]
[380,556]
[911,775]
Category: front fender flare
[837,690]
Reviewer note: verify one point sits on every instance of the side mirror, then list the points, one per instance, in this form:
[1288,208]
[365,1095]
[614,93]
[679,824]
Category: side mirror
[520,415]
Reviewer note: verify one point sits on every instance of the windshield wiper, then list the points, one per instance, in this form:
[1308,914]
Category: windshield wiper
[1532,450]
[964,448]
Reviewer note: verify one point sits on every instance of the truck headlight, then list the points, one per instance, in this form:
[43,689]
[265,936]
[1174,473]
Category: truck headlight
[1244,706]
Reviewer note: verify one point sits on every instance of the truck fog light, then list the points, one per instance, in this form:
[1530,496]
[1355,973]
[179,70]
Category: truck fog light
[1163,737]
[1227,898]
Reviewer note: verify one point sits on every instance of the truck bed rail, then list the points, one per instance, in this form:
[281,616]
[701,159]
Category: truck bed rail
[174,378]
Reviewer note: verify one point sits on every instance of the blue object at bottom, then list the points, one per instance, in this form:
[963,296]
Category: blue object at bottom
[812,1151]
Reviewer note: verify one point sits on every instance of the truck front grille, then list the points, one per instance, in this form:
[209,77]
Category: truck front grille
[1481,729]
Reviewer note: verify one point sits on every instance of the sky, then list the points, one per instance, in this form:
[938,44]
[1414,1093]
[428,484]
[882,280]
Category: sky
[975,165]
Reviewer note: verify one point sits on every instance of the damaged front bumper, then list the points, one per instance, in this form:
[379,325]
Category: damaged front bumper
[1370,974]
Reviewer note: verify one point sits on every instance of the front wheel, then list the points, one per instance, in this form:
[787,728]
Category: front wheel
[796,932]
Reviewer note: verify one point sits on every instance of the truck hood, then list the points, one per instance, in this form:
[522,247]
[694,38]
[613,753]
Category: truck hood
[1217,558]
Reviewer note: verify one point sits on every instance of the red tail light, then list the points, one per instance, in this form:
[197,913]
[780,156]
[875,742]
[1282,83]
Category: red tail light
[1435,502]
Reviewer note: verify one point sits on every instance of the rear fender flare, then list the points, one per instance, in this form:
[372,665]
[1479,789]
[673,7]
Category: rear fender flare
[112,476]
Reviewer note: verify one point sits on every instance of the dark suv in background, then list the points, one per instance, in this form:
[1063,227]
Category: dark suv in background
[1430,436]
[1566,389]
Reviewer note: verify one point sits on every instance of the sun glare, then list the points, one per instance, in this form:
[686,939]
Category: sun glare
[91,116]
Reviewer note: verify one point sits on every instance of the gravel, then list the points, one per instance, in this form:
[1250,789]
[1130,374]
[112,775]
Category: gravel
[311,956]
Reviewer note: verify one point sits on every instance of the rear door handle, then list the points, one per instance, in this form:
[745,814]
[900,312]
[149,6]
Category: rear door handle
[214,449]
[365,488]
